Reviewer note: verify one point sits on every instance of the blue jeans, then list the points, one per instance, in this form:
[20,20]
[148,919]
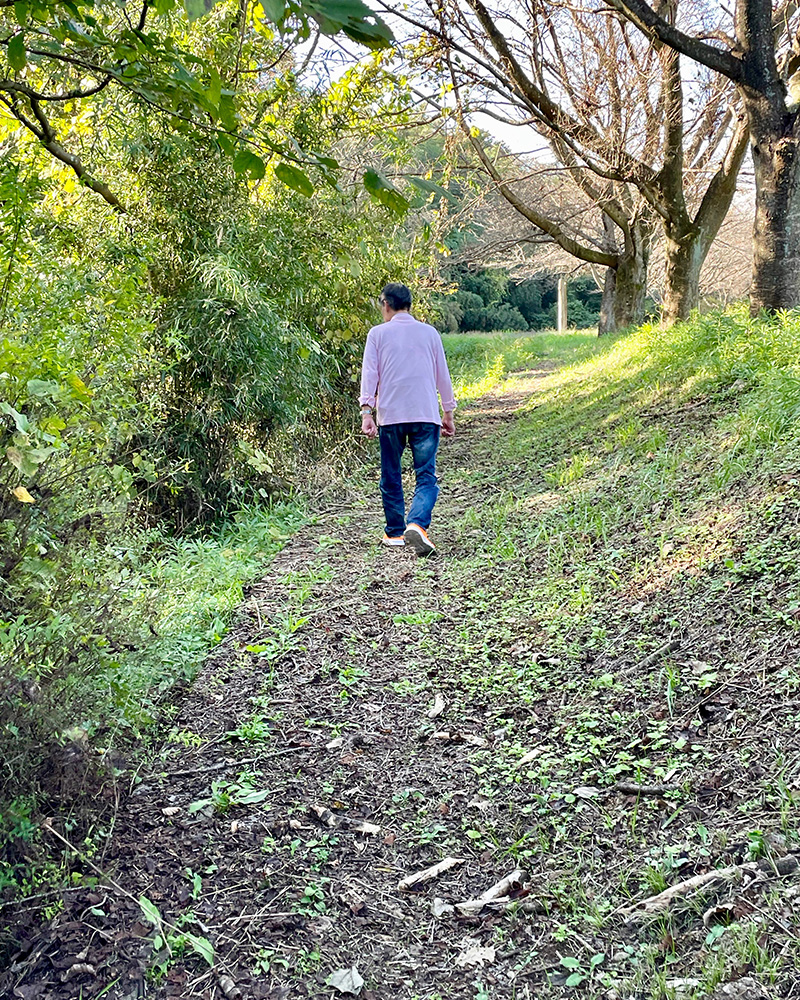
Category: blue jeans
[423,439]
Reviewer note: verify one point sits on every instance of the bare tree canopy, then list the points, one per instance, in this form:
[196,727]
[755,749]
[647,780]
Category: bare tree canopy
[756,47]
[612,107]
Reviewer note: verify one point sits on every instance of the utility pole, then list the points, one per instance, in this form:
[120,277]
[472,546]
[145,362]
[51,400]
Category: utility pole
[562,303]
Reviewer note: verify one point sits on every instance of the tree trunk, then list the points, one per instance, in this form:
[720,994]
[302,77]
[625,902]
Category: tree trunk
[686,252]
[775,144]
[625,286]
[631,289]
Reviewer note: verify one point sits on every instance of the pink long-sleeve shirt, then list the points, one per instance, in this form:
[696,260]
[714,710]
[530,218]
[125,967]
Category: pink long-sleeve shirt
[403,371]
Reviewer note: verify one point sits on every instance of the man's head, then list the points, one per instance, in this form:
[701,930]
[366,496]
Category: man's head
[394,298]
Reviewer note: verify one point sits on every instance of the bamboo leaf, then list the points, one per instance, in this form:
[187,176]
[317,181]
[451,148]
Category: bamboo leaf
[433,188]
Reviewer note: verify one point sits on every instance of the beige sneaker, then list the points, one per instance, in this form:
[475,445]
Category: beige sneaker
[399,541]
[418,539]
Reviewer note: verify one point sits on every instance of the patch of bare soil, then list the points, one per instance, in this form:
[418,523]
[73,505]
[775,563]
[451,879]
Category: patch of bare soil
[331,748]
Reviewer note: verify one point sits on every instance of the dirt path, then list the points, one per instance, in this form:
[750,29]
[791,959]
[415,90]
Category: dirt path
[303,779]
[573,705]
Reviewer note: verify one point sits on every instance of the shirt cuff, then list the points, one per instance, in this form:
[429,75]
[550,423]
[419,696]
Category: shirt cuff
[449,406]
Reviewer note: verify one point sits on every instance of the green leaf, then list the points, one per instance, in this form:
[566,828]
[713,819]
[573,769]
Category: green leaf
[570,963]
[227,112]
[17,56]
[247,162]
[294,178]
[575,979]
[20,420]
[40,387]
[384,192]
[274,10]
[198,8]
[249,798]
[597,959]
[214,89]
[21,12]
[150,911]
[27,460]
[202,946]
[352,17]
[432,188]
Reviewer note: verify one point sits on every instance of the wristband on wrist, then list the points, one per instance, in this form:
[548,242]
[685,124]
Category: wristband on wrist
[365,410]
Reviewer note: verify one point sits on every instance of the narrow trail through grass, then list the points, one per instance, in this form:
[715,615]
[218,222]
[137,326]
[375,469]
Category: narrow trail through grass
[594,683]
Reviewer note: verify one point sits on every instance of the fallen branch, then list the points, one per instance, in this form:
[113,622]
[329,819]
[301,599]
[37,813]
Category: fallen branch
[663,900]
[498,895]
[631,788]
[668,647]
[429,873]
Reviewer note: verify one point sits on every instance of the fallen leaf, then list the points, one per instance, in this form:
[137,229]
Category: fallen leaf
[440,908]
[438,706]
[720,915]
[389,839]
[475,741]
[346,981]
[171,810]
[586,791]
[529,756]
[473,953]
[369,828]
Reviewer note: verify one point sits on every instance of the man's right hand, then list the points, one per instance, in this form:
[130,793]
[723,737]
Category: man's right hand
[368,425]
[448,425]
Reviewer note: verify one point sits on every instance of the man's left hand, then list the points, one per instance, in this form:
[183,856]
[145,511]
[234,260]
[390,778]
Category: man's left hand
[368,425]
[448,425]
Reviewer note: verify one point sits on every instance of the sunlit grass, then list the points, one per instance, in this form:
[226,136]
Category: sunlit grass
[478,362]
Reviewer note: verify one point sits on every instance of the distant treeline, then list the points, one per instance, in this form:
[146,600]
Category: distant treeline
[489,299]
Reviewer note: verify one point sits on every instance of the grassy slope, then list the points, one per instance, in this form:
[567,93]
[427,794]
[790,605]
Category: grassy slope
[649,497]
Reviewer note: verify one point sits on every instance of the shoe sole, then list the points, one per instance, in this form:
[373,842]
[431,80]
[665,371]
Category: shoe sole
[418,542]
[391,543]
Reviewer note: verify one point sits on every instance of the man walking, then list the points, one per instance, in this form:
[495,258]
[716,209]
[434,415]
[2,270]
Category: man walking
[403,371]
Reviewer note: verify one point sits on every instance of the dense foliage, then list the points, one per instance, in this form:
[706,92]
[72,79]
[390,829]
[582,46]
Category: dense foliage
[163,370]
[489,299]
